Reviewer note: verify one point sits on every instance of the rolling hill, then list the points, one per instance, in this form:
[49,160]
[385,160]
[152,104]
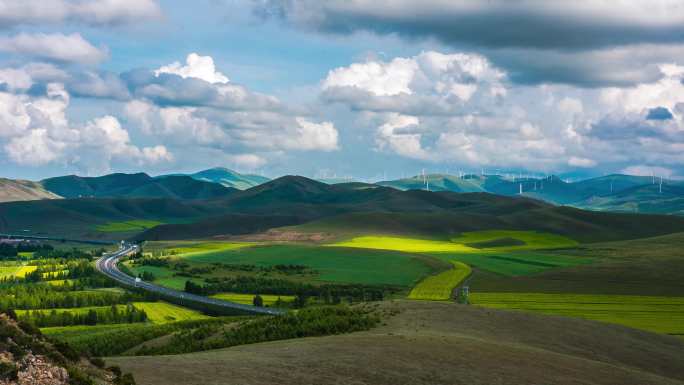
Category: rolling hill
[357,208]
[229,178]
[23,190]
[138,185]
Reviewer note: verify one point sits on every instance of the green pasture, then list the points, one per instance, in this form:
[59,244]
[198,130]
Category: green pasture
[333,264]
[162,312]
[440,287]
[247,299]
[656,314]
[127,226]
[532,240]
[514,264]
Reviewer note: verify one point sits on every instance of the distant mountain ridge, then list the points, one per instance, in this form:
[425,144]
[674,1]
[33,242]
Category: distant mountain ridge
[229,178]
[138,185]
[609,193]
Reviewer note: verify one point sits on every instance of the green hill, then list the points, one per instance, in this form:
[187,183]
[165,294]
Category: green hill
[138,185]
[354,208]
[229,178]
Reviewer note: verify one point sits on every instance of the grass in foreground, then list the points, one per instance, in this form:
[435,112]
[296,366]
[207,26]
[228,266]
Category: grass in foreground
[440,287]
[656,314]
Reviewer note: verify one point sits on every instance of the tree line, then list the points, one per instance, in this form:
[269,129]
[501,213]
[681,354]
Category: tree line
[327,293]
[111,315]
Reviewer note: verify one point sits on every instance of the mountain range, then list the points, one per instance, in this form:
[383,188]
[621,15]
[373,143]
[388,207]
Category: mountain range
[618,193]
[303,205]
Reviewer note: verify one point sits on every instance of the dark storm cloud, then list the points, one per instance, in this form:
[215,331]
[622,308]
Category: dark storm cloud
[632,127]
[584,43]
[572,25]
[659,113]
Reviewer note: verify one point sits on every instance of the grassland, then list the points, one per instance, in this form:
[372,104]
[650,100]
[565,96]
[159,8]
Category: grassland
[127,226]
[656,314]
[428,343]
[510,253]
[527,240]
[514,264]
[441,286]
[332,264]
[162,312]
[246,299]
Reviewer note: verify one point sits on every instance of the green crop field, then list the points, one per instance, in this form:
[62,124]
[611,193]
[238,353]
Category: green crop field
[162,312]
[531,240]
[410,245]
[514,263]
[439,287]
[127,226]
[657,314]
[246,299]
[333,264]
[508,253]
[16,271]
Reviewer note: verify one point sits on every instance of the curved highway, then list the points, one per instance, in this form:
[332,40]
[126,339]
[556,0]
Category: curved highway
[107,264]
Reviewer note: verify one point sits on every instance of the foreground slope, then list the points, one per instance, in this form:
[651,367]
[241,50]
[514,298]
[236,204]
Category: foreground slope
[23,190]
[437,343]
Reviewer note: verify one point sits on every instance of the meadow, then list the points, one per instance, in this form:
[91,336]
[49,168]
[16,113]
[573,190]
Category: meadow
[331,264]
[526,240]
[652,313]
[441,286]
[162,312]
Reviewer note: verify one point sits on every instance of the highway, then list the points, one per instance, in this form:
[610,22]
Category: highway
[107,265]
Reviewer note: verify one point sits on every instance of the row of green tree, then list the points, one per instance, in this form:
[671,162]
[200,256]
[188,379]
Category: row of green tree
[112,315]
[327,293]
[43,296]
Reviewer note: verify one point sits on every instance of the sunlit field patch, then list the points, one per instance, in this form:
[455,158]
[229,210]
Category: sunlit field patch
[16,271]
[162,312]
[411,245]
[440,287]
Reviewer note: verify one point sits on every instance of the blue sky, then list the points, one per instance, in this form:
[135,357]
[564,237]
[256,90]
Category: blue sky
[363,89]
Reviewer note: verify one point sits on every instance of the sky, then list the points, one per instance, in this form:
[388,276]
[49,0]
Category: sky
[348,88]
